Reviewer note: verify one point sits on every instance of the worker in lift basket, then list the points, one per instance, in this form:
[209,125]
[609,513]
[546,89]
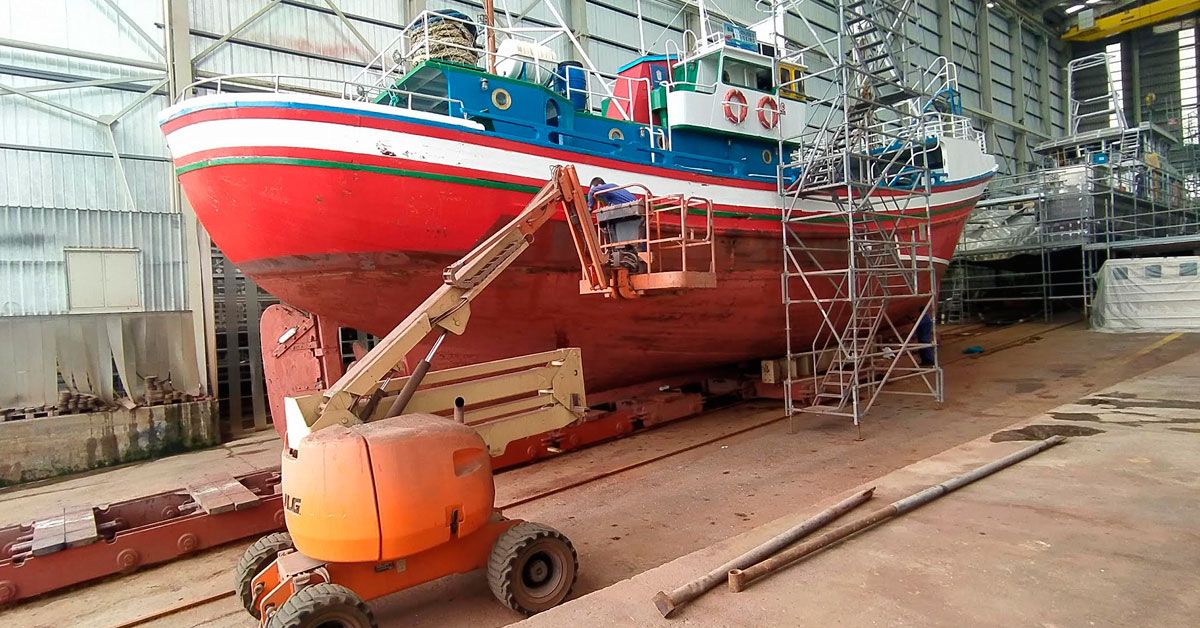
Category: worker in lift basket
[607,194]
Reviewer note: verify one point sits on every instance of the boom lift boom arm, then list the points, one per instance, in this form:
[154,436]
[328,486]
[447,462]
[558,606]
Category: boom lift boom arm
[449,307]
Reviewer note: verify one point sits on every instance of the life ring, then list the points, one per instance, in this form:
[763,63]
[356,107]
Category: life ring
[735,106]
[768,112]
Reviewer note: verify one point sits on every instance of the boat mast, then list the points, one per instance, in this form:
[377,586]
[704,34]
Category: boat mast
[489,16]
[703,20]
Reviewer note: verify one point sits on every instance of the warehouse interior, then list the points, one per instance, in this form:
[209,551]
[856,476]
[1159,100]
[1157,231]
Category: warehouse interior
[298,336]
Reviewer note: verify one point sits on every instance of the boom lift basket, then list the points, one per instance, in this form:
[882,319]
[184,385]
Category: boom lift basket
[650,245]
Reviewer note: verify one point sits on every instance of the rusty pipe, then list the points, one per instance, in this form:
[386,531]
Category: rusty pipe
[739,579]
[414,380]
[667,603]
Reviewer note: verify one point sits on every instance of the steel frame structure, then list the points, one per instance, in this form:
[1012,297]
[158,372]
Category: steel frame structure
[1104,192]
[865,135]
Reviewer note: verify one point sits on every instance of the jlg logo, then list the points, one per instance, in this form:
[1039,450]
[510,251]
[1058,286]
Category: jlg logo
[292,504]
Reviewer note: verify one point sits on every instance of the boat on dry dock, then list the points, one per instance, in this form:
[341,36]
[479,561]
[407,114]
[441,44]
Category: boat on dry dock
[350,206]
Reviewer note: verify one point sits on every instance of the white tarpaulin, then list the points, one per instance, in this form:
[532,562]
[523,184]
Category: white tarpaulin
[1148,294]
[83,350]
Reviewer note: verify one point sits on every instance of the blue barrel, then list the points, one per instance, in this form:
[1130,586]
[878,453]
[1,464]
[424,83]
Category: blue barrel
[571,81]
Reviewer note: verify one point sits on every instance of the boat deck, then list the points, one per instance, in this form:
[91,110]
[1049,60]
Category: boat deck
[697,489]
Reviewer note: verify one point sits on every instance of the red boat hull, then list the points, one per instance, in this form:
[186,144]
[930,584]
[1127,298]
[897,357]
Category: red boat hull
[364,248]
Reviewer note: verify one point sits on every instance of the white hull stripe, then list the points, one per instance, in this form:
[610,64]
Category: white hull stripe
[302,134]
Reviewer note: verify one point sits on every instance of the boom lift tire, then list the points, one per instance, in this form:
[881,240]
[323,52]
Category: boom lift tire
[256,558]
[532,568]
[327,605]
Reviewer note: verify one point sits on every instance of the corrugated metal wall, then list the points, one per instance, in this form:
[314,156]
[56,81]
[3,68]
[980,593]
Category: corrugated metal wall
[293,38]
[60,186]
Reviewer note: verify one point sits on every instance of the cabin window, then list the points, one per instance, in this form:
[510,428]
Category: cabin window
[701,72]
[551,113]
[747,75]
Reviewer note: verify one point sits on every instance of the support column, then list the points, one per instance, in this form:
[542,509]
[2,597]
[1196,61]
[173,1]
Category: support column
[1044,79]
[413,8]
[691,21]
[945,30]
[1135,76]
[1016,38]
[576,17]
[196,244]
[983,42]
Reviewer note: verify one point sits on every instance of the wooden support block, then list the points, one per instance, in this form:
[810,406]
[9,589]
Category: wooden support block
[211,496]
[80,527]
[222,495]
[49,535]
[242,497]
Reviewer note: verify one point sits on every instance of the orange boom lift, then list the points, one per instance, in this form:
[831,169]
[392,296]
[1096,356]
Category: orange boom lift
[387,484]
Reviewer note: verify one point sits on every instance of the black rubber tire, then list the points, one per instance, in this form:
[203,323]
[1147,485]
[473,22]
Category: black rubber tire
[255,559]
[532,568]
[324,605]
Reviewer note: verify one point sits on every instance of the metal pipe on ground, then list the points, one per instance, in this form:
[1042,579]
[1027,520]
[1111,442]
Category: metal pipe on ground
[739,579]
[667,603]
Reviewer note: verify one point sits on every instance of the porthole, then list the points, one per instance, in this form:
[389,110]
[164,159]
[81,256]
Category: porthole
[768,156]
[502,99]
[616,135]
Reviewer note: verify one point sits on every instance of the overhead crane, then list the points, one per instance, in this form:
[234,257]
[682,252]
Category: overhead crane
[1147,14]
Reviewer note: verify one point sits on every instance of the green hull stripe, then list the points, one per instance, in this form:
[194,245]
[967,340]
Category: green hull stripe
[498,185]
[342,165]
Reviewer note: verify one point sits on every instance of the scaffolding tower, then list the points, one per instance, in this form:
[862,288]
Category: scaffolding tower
[856,220]
[1105,189]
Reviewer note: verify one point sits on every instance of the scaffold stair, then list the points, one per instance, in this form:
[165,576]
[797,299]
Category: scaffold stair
[861,160]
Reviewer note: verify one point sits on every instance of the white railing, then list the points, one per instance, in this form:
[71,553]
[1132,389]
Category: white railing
[347,90]
[927,125]
[941,75]
[1105,105]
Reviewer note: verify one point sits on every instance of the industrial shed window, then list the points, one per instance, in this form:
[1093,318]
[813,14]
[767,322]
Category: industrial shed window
[103,280]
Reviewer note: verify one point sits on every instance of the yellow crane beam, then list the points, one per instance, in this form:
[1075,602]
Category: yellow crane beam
[1145,15]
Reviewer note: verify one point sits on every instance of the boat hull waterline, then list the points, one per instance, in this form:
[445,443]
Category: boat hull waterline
[353,217]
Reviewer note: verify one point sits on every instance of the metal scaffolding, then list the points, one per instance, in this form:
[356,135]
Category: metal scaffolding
[1107,189]
[856,220]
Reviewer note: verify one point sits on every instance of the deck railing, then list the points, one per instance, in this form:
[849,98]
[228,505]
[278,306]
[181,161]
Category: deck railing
[348,90]
[423,40]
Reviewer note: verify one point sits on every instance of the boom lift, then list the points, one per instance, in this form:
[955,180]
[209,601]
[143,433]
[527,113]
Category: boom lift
[381,494]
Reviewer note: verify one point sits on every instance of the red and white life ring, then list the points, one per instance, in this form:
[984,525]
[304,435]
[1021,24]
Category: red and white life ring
[736,106]
[768,112]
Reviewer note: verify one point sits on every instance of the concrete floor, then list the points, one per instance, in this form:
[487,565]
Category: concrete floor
[642,518]
[1100,531]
